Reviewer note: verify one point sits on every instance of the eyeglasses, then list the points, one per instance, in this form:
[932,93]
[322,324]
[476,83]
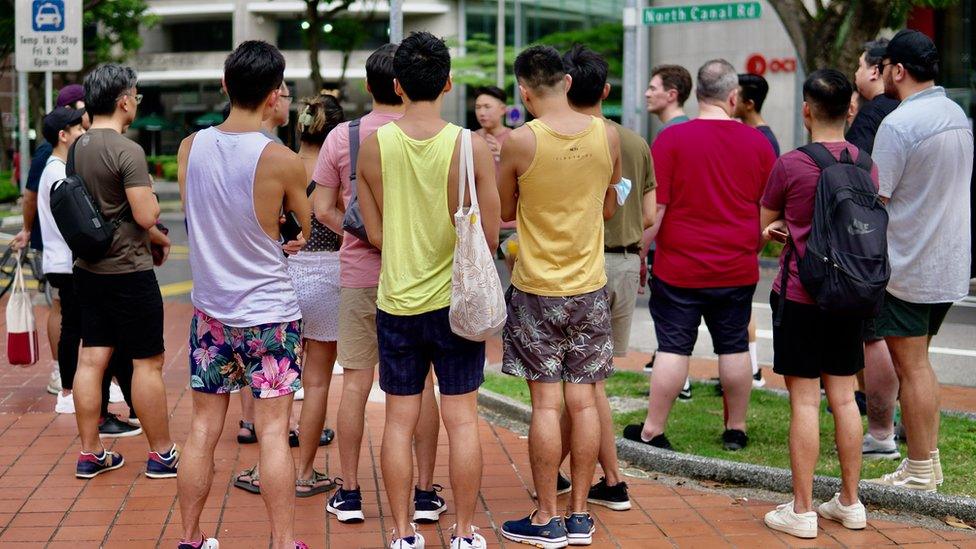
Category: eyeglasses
[137,97]
[285,96]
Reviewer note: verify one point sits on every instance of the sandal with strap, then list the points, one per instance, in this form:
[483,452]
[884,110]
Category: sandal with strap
[251,484]
[311,483]
[248,439]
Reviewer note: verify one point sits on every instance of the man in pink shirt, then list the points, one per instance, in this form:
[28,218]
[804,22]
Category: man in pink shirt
[358,281]
[711,172]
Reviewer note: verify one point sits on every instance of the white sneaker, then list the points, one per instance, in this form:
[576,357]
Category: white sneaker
[886,448]
[115,393]
[784,519]
[404,543]
[300,394]
[477,541]
[65,404]
[208,543]
[54,382]
[853,516]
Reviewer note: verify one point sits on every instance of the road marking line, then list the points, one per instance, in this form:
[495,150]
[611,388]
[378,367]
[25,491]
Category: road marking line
[176,288]
[768,334]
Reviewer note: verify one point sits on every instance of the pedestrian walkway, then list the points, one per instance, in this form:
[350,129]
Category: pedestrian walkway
[43,505]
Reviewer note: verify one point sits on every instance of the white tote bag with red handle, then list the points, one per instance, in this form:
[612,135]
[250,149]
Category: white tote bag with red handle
[21,329]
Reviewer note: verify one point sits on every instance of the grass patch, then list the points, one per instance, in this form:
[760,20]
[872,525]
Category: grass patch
[696,428]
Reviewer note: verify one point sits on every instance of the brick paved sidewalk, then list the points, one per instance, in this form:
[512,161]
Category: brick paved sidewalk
[43,505]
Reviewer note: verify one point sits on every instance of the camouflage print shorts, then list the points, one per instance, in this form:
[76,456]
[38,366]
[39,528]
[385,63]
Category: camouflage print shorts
[551,339]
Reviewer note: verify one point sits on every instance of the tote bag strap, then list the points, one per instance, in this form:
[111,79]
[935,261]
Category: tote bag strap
[466,172]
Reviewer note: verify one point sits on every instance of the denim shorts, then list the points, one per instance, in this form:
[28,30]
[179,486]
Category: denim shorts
[677,313]
[410,344]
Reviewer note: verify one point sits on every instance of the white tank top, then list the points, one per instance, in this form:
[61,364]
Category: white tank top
[239,272]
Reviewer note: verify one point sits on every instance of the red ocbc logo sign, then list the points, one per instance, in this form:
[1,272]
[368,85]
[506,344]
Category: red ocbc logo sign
[758,64]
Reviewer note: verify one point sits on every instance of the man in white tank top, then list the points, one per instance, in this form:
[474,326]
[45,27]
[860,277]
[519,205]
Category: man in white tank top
[246,326]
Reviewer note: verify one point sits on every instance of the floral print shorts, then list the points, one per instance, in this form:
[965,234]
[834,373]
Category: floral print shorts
[223,358]
[551,339]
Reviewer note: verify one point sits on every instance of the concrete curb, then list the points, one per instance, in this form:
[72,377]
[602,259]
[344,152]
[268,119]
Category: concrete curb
[755,476]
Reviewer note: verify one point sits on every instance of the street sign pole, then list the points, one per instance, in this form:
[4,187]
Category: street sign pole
[628,116]
[517,19]
[48,91]
[500,46]
[22,128]
[396,21]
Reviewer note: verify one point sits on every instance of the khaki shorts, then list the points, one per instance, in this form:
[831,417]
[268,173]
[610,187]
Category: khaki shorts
[357,328]
[623,279]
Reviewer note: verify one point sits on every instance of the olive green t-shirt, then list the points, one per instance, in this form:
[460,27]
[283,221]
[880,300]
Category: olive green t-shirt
[627,224]
[109,163]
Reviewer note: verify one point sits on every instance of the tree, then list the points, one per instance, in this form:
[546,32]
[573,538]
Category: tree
[477,66]
[344,34]
[833,33]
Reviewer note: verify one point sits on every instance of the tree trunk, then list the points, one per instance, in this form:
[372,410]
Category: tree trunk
[315,27]
[342,77]
[832,37]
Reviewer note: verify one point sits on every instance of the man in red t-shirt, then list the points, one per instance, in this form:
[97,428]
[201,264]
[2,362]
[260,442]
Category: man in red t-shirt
[711,174]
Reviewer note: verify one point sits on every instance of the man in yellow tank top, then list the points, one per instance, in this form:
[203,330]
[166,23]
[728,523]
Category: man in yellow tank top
[408,191]
[557,178]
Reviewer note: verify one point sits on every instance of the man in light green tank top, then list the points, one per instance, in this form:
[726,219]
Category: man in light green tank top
[408,192]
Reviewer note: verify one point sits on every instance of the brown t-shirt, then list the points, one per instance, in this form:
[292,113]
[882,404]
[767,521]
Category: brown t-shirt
[109,163]
[627,224]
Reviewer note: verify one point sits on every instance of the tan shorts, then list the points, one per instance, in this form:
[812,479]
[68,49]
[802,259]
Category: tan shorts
[357,328]
[623,279]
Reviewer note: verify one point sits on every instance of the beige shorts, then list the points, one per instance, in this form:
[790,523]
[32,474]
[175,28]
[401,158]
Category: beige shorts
[357,328]
[623,279]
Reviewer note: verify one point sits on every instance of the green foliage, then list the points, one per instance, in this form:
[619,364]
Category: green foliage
[347,34]
[118,23]
[169,165]
[696,428]
[9,191]
[478,66]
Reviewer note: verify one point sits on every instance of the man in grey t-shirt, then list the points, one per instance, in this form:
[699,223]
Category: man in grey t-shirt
[924,153]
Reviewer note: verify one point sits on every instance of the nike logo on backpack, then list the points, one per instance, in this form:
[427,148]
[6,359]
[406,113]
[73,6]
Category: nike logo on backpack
[857,228]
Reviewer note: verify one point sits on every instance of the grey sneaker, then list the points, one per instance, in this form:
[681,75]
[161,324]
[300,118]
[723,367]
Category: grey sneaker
[885,448]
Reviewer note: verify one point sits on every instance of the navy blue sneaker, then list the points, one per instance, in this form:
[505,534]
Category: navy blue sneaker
[427,505]
[163,465]
[580,528]
[91,465]
[551,535]
[346,505]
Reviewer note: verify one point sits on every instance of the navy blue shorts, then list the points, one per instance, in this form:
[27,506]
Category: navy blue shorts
[677,313]
[410,344]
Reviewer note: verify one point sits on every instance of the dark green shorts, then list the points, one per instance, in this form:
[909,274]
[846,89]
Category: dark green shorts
[899,318]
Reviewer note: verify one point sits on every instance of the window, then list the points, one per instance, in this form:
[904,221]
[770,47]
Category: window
[200,36]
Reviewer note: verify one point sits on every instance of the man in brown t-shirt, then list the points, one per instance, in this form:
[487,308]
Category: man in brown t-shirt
[121,307]
[621,240]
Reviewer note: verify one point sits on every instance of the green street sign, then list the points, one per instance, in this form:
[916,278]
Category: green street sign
[704,13]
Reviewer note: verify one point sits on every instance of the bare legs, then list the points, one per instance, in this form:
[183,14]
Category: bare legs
[546,451]
[805,436]
[320,356]
[196,470]
[881,388]
[919,394]
[608,440]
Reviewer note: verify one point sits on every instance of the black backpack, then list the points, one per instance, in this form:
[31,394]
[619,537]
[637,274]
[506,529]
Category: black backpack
[845,268]
[78,217]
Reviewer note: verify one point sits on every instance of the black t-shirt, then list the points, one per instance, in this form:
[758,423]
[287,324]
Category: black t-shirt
[867,121]
[768,132]
[41,154]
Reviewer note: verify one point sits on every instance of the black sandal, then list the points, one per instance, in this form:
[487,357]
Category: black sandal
[249,439]
[324,440]
[251,485]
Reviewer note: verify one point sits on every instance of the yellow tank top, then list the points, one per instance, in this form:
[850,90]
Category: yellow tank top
[418,235]
[560,212]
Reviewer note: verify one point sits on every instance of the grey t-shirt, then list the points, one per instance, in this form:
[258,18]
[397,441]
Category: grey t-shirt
[109,163]
[924,153]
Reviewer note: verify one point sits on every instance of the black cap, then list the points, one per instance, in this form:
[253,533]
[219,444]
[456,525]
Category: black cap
[911,47]
[59,119]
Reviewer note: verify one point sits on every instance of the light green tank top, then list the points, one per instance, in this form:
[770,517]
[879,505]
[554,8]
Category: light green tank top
[418,235]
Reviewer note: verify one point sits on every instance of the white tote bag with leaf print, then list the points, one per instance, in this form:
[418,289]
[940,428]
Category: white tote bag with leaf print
[477,300]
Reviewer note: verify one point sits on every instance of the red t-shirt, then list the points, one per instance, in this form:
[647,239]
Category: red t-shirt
[710,176]
[792,189]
